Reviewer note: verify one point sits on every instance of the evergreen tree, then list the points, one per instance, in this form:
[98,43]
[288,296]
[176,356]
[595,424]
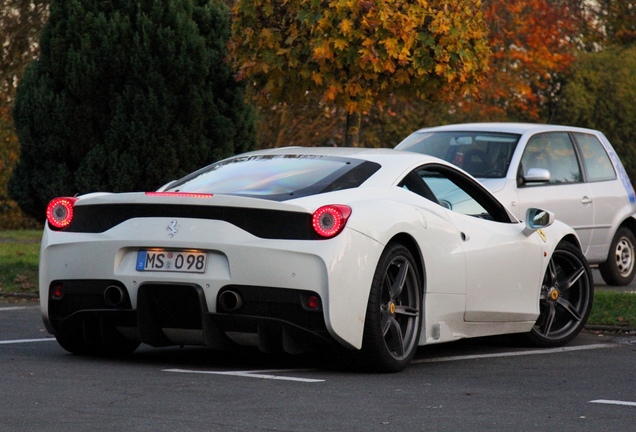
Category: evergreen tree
[21,22]
[126,95]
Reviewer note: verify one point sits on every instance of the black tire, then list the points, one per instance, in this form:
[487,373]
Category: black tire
[620,268]
[82,339]
[566,298]
[394,313]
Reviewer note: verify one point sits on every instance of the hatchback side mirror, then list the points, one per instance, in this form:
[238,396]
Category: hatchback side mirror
[537,175]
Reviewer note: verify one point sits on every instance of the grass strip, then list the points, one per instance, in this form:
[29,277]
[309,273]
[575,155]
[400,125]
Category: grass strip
[19,254]
[613,308]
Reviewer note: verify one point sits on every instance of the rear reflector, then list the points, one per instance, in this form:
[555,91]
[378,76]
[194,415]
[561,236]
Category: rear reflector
[313,302]
[57,291]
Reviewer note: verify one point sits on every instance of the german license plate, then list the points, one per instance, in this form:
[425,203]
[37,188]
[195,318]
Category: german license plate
[171,261]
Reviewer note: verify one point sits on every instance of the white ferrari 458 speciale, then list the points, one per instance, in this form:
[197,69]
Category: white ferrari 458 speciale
[375,250]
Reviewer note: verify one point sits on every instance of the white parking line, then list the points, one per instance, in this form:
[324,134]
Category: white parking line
[252,374]
[613,402]
[515,353]
[18,341]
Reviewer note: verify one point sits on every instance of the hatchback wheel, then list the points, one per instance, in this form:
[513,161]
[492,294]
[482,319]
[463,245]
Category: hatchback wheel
[620,268]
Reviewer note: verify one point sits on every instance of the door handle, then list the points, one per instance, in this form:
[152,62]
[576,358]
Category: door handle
[586,200]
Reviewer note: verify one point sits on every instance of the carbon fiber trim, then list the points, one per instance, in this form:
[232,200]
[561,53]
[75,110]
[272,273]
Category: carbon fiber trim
[269,224]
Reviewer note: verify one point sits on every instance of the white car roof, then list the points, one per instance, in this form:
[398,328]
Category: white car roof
[517,128]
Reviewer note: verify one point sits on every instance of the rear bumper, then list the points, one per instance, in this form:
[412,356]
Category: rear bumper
[177,314]
[339,270]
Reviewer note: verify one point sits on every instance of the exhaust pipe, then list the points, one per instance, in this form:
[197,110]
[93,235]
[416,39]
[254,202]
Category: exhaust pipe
[230,301]
[114,295]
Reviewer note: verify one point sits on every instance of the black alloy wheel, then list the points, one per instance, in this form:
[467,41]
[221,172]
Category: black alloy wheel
[566,298]
[394,312]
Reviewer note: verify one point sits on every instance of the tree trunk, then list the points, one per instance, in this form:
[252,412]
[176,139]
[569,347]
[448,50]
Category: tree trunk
[352,133]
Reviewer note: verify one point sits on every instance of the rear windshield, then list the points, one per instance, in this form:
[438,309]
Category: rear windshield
[277,177]
[482,154]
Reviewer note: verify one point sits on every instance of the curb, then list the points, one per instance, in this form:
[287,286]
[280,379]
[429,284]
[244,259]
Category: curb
[19,296]
[611,329]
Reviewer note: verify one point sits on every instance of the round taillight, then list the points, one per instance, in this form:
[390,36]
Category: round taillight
[329,220]
[59,212]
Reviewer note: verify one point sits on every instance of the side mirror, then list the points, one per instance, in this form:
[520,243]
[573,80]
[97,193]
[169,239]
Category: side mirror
[537,175]
[537,219]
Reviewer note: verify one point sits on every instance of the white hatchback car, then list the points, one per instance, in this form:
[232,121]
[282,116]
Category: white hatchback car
[573,172]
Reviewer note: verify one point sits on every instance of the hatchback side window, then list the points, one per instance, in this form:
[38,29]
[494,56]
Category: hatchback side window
[597,163]
[554,152]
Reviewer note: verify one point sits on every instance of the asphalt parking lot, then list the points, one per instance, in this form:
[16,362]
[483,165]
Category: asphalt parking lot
[481,384]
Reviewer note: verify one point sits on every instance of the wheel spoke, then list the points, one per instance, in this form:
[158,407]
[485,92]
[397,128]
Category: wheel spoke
[549,320]
[573,279]
[569,308]
[406,311]
[385,319]
[395,332]
[398,283]
[552,272]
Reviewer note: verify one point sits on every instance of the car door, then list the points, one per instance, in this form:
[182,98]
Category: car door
[564,193]
[503,264]
[611,196]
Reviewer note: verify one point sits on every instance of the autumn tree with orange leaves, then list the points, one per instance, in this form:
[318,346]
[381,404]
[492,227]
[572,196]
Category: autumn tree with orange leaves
[358,53]
[533,43]
[618,18]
